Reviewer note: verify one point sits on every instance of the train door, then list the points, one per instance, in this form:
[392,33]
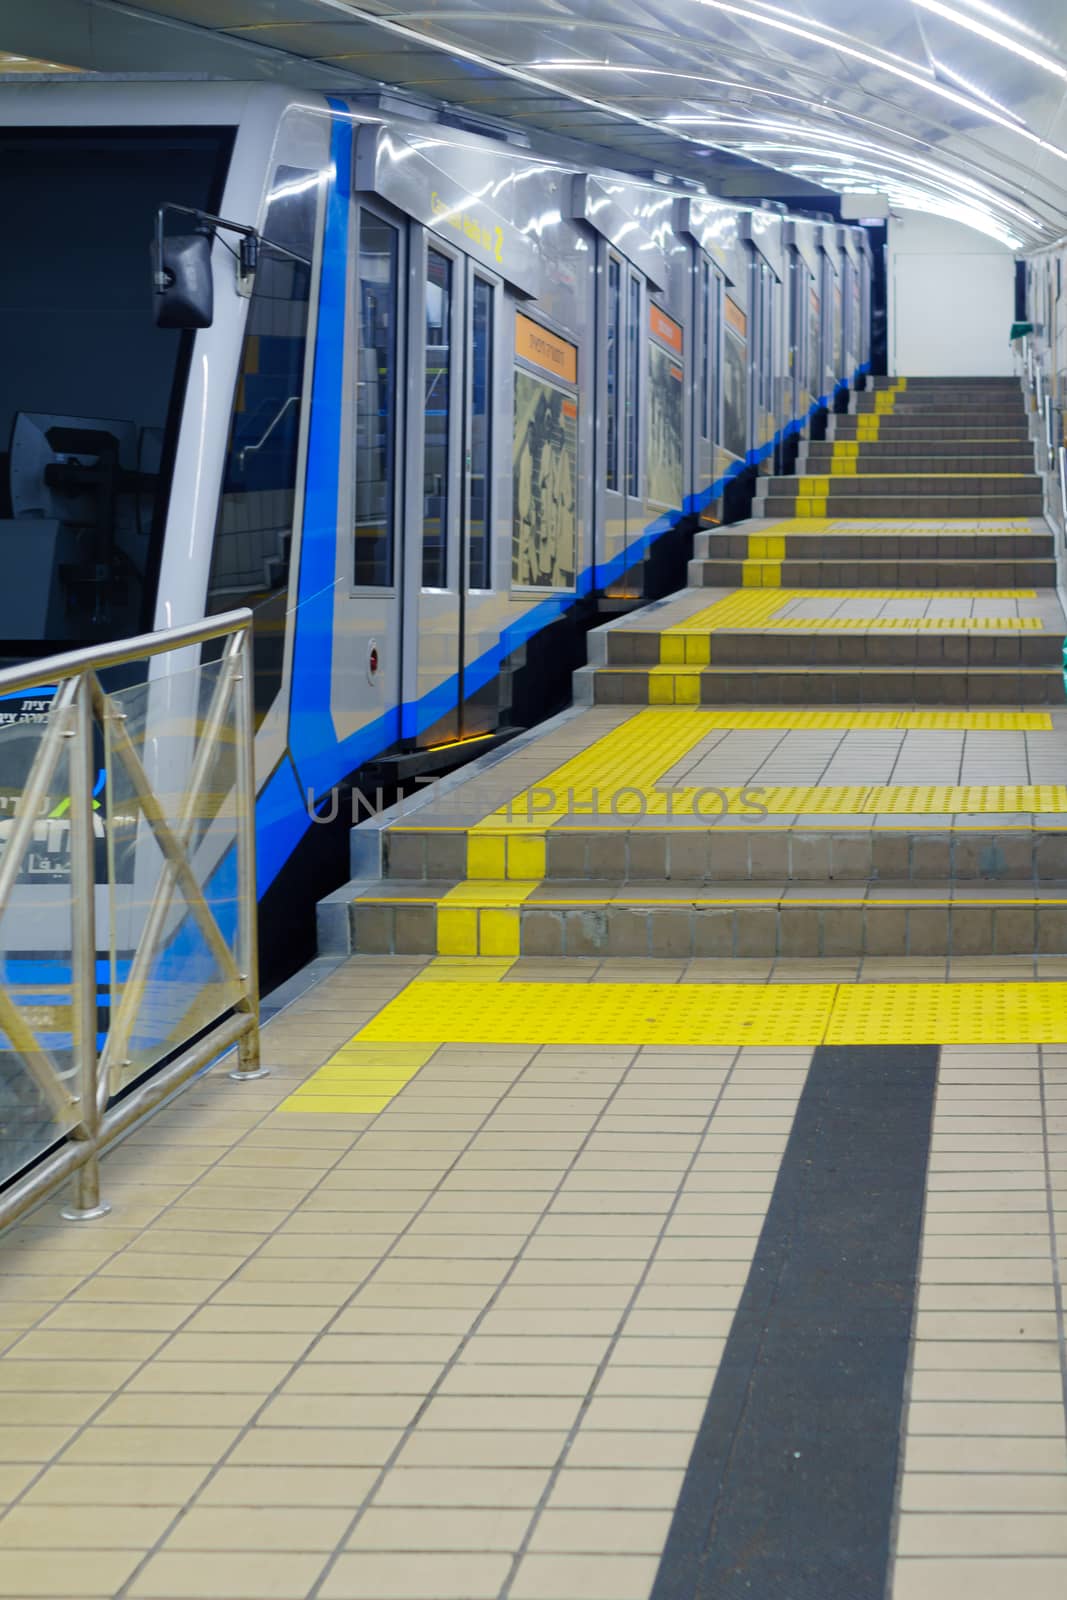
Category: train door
[762,396]
[621,382]
[454,315]
[799,332]
[366,685]
[706,321]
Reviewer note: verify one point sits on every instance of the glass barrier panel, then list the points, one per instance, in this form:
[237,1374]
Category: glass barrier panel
[38,1075]
[173,934]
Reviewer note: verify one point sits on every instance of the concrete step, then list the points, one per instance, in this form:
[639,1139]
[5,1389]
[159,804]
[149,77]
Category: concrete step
[893,427]
[727,920]
[932,405]
[801,684]
[897,483]
[848,849]
[948,380]
[817,644]
[825,572]
[878,460]
[857,542]
[839,502]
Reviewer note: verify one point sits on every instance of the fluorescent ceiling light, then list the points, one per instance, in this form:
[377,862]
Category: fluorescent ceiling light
[971,88]
[1003,41]
[803,29]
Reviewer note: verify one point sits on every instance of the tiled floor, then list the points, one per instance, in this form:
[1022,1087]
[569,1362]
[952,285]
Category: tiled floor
[462,1348]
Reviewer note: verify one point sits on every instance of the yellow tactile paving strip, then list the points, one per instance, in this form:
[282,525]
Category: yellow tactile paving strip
[759,606]
[723,1015]
[618,776]
[359,1079]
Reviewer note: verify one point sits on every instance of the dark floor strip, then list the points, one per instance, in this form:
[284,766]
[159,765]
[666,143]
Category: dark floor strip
[789,1491]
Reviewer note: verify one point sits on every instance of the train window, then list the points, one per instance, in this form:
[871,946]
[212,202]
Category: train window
[376,402]
[705,357]
[633,388]
[254,532]
[86,378]
[437,413]
[611,476]
[481,426]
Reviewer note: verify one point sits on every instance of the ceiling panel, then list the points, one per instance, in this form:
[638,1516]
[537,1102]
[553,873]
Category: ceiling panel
[950,105]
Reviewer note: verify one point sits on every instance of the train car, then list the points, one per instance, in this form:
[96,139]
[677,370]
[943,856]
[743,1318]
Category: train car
[446,401]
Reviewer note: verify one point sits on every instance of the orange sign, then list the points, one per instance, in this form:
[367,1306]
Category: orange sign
[548,351]
[736,318]
[664,328]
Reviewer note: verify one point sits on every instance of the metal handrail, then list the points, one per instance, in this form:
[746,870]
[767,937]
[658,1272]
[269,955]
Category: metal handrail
[96,657]
[84,1102]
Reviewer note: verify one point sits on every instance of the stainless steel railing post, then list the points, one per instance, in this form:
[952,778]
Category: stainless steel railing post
[87,1203]
[249,1064]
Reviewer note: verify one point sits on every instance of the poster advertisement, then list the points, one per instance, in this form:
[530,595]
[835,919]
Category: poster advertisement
[666,410]
[735,380]
[544,463]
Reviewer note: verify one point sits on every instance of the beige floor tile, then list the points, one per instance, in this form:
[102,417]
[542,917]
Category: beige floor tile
[987,1386]
[273,1575]
[395,1528]
[515,1414]
[620,1381]
[964,1534]
[615,1532]
[627,1484]
[340,1411]
[486,1378]
[979,1579]
[467,1486]
[276,1528]
[989,1419]
[972,1453]
[247,1346]
[1023,1355]
[310,1447]
[88,1527]
[94,1315]
[282,1486]
[369,1575]
[66,1575]
[984,1491]
[157,1446]
[63,1377]
[618,1449]
[24,1441]
[361,1378]
[427,1447]
[616,1577]
[13,1479]
[116,1485]
[207,1377]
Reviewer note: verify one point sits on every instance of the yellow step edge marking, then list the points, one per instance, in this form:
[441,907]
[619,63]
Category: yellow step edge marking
[482,918]
[360,1079]
[509,842]
[756,608]
[788,1015]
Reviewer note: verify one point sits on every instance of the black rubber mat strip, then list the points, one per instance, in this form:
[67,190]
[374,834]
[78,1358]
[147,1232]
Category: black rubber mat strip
[789,1491]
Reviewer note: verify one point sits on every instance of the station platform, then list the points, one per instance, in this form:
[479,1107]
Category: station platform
[660,1188]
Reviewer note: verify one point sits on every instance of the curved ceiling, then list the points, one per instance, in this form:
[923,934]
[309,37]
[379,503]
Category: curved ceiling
[952,106]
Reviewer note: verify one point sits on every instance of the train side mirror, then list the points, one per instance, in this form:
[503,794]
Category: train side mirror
[184,288]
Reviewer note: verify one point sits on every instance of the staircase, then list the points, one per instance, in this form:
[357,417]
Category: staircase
[843,739]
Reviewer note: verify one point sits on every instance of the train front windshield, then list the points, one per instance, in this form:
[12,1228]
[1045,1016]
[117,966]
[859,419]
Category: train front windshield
[91,391]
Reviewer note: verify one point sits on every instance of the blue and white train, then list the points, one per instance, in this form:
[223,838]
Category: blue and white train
[452,400]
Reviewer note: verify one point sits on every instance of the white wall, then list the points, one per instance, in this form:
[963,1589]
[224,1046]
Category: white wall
[951,299]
